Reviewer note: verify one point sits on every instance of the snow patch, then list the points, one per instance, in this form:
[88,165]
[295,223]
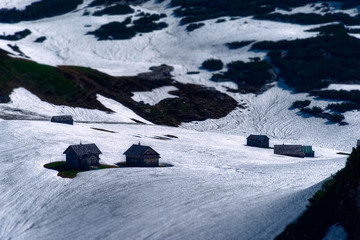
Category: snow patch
[320,8]
[155,96]
[346,87]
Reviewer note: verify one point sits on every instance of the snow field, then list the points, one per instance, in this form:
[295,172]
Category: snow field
[217,189]
[155,96]
[68,44]
[270,113]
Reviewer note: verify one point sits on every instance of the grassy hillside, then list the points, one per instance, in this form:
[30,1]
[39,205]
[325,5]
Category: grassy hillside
[78,86]
[336,202]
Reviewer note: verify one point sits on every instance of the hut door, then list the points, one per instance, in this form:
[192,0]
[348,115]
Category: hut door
[93,161]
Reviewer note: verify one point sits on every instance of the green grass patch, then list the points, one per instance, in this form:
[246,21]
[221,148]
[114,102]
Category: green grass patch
[66,172]
[63,171]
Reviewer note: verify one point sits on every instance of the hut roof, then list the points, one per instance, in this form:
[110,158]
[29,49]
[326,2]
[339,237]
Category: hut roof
[258,137]
[62,118]
[288,149]
[84,149]
[138,150]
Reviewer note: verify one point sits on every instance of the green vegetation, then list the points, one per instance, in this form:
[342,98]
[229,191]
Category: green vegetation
[147,17]
[311,18]
[301,104]
[96,3]
[311,64]
[147,23]
[39,10]
[66,172]
[194,11]
[335,202]
[40,39]
[352,98]
[121,30]
[336,118]
[192,26]
[315,111]
[120,9]
[343,107]
[115,31]
[254,73]
[355,31]
[237,45]
[78,87]
[63,171]
[220,20]
[314,63]
[38,78]
[16,36]
[319,113]
[212,64]
[45,78]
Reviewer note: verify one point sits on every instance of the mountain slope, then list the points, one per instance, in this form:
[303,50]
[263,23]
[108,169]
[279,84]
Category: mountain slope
[337,203]
[217,188]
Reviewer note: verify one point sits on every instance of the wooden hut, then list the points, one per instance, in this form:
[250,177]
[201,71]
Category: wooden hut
[308,151]
[261,141]
[289,150]
[67,119]
[82,157]
[141,156]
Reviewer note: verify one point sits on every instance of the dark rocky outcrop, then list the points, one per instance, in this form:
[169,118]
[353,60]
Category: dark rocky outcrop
[157,73]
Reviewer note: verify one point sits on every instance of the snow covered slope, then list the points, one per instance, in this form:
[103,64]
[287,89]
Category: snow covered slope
[68,44]
[217,189]
[270,113]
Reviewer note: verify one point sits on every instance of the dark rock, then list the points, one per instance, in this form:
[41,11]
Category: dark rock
[157,73]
